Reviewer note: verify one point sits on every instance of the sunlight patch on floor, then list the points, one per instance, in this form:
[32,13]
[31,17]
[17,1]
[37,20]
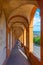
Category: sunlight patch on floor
[22,53]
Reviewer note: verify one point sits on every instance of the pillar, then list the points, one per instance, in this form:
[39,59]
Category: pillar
[21,38]
[41,14]
[24,37]
[13,39]
[27,38]
[10,39]
[30,38]
[7,42]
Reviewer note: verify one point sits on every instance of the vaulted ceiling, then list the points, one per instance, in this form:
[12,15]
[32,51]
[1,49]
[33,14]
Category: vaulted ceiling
[17,11]
[9,5]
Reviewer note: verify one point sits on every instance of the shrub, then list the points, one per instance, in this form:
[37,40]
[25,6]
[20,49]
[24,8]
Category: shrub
[36,40]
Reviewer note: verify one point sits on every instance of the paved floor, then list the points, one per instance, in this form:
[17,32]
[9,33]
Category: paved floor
[18,56]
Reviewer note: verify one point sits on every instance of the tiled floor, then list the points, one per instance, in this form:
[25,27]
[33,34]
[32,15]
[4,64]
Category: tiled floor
[18,56]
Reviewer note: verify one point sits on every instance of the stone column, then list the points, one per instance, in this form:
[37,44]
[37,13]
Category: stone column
[27,38]
[24,37]
[13,39]
[10,39]
[21,39]
[30,39]
[7,42]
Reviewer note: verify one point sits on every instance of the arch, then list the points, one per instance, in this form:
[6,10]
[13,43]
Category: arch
[18,27]
[32,15]
[19,24]
[19,33]
[11,24]
[24,30]
[31,29]
[18,16]
[18,19]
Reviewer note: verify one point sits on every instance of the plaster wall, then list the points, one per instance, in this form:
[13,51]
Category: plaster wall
[2,39]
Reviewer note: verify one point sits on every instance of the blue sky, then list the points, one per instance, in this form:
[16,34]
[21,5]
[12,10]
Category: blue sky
[37,20]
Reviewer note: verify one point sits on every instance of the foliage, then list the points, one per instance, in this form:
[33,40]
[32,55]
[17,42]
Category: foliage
[36,40]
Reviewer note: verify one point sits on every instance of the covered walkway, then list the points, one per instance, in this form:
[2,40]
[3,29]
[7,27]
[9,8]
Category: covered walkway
[18,56]
[16,23]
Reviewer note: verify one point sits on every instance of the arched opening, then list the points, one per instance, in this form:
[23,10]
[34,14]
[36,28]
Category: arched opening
[35,52]
[19,20]
[37,34]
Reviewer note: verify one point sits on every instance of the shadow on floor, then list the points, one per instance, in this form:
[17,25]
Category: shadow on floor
[18,56]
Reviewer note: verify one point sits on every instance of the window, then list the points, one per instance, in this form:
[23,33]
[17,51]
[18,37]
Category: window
[36,34]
